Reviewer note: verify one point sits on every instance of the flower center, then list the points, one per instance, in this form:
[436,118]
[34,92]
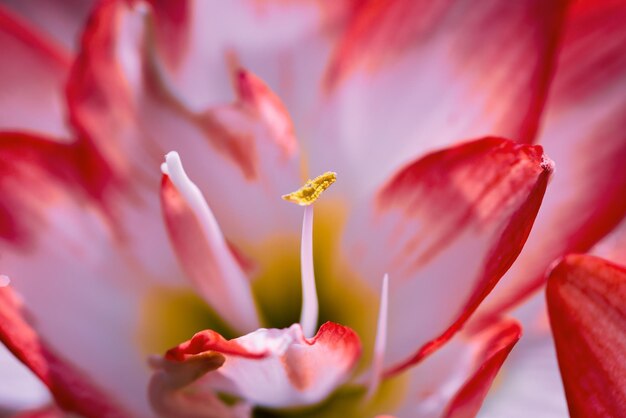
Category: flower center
[172,315]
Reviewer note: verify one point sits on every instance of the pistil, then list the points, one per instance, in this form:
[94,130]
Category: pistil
[305,196]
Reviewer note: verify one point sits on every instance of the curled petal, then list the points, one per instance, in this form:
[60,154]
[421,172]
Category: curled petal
[119,100]
[272,367]
[530,383]
[584,131]
[587,306]
[446,228]
[454,381]
[470,397]
[203,251]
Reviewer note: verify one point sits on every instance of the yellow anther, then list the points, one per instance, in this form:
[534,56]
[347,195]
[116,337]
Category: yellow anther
[312,189]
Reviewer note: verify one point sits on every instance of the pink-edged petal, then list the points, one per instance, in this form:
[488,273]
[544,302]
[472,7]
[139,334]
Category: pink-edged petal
[454,381]
[61,20]
[19,388]
[587,307]
[60,252]
[32,78]
[72,391]
[203,252]
[529,383]
[273,367]
[438,71]
[613,246]
[52,411]
[469,398]
[446,228]
[119,101]
[584,133]
[286,43]
[168,395]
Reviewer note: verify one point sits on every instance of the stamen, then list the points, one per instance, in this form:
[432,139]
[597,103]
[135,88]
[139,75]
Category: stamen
[381,338]
[308,316]
[312,189]
[305,196]
[237,284]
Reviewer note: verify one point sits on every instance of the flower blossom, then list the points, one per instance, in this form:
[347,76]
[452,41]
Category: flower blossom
[151,268]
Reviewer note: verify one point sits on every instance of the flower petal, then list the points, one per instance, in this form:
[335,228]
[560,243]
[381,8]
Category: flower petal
[529,383]
[446,228]
[85,299]
[47,412]
[438,71]
[585,133]
[119,100]
[206,258]
[267,38]
[470,397]
[63,20]
[167,389]
[71,390]
[31,79]
[19,388]
[274,367]
[613,246]
[454,381]
[586,302]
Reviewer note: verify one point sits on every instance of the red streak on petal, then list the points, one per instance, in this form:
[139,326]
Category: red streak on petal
[587,307]
[470,397]
[209,340]
[71,389]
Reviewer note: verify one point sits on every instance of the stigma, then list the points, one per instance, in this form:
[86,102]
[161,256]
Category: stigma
[312,189]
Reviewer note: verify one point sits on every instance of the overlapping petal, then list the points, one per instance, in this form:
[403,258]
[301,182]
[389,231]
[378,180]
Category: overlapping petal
[120,101]
[529,383]
[63,21]
[586,302]
[446,228]
[49,210]
[203,252]
[269,367]
[454,381]
[584,132]
[469,398]
[72,391]
[19,388]
[409,77]
[32,77]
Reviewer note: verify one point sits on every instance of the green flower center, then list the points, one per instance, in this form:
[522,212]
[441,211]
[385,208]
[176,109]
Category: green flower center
[172,315]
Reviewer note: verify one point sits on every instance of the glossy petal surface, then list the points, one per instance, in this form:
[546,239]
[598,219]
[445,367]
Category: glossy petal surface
[587,307]
[584,133]
[409,77]
[274,367]
[446,228]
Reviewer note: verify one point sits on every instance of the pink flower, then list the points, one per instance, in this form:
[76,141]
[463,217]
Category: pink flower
[140,289]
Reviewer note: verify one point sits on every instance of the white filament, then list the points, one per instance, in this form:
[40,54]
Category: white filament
[309,313]
[380,344]
[240,304]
